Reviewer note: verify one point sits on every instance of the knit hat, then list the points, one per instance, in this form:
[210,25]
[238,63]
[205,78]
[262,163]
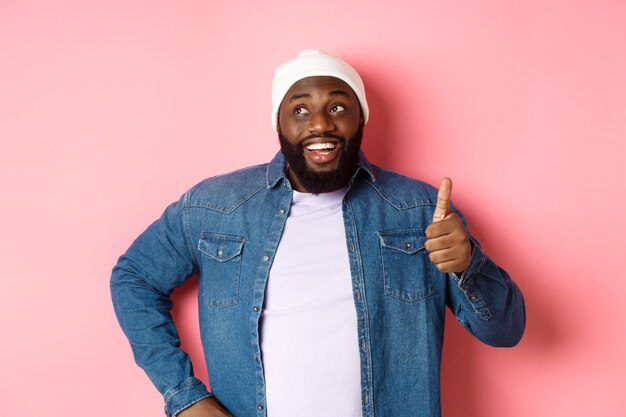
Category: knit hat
[313,63]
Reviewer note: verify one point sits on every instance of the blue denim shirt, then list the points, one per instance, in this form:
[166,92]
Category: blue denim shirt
[227,228]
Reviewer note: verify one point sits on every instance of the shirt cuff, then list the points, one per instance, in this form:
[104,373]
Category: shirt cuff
[476,262]
[467,285]
[184,396]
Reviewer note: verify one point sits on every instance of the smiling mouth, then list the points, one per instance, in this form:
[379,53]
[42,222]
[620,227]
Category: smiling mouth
[322,148]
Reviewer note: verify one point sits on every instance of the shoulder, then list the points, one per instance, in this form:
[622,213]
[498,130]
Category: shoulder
[401,191]
[227,191]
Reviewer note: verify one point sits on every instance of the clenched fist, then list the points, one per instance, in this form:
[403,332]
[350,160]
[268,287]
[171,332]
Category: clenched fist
[447,241]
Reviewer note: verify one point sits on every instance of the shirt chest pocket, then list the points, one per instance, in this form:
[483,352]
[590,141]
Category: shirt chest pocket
[220,268]
[407,270]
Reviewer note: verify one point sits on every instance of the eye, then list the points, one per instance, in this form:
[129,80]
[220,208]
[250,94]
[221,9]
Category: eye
[336,108]
[300,110]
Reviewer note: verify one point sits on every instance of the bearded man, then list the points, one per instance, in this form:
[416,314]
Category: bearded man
[323,279]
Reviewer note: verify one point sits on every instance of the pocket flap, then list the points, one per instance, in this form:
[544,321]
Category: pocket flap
[407,241]
[222,248]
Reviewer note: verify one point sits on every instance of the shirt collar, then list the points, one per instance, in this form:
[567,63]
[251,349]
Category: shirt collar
[278,167]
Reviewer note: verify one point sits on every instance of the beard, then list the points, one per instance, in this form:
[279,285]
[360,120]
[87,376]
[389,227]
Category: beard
[317,182]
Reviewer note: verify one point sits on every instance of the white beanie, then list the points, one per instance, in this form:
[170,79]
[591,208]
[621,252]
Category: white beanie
[314,63]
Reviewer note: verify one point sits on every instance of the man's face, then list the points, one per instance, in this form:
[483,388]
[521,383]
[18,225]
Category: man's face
[320,129]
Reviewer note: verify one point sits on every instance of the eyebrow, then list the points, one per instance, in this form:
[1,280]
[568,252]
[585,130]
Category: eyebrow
[339,93]
[298,96]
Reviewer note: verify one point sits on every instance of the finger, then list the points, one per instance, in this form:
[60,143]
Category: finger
[440,243]
[450,266]
[443,200]
[439,228]
[454,259]
[442,255]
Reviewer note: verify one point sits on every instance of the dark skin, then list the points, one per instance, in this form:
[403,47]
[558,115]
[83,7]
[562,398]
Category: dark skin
[209,407]
[315,111]
[318,106]
[447,240]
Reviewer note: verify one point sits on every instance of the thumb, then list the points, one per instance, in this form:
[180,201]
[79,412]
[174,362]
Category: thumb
[443,200]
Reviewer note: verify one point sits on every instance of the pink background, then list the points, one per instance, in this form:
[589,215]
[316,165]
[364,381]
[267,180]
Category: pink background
[109,110]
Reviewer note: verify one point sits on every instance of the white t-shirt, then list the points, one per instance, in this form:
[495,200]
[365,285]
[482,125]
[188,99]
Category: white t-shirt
[309,339]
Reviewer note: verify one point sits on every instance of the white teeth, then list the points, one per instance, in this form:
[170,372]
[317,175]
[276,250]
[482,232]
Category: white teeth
[320,146]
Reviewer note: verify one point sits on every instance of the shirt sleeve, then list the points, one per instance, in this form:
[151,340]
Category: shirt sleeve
[486,301]
[158,261]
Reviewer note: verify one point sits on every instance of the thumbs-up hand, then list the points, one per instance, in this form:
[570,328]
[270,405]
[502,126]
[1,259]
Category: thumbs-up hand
[447,241]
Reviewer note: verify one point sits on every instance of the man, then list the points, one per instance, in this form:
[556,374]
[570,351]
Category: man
[323,279]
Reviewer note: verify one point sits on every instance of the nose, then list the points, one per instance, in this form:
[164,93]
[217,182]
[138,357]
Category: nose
[321,122]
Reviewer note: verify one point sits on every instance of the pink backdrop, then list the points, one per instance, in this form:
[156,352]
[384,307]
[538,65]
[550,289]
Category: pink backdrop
[109,110]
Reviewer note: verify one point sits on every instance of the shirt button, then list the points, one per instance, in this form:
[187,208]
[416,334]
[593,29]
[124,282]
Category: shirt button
[259,407]
[281,211]
[254,357]
[255,309]
[220,252]
[266,258]
[407,245]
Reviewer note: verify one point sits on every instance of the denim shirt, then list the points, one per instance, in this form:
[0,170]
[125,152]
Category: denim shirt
[227,228]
